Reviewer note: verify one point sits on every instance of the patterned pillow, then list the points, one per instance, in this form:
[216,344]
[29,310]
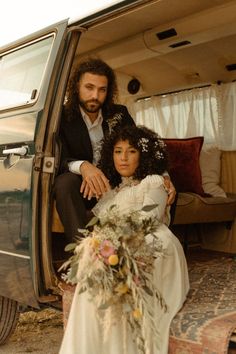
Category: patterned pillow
[184,167]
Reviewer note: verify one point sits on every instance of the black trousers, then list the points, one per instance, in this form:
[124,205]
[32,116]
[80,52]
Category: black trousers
[71,206]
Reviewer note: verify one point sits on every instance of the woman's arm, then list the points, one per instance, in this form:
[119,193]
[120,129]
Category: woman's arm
[155,193]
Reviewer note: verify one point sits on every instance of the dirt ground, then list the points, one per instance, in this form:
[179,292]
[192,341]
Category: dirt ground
[36,333]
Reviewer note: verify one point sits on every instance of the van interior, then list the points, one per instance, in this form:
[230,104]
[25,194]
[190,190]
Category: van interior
[175,63]
[161,50]
[167,45]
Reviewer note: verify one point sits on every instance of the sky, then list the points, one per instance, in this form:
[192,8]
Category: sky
[19,18]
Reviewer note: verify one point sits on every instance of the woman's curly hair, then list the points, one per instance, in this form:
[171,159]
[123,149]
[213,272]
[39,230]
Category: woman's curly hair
[94,66]
[153,154]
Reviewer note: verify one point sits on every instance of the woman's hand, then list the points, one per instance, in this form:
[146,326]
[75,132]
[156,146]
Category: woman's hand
[94,183]
[170,190]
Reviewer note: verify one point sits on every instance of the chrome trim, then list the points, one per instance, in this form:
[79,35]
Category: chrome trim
[21,151]
[15,254]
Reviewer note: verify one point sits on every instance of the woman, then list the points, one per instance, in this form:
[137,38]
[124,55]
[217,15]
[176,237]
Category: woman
[133,159]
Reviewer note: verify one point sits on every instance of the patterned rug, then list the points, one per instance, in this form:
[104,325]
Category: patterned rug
[208,317]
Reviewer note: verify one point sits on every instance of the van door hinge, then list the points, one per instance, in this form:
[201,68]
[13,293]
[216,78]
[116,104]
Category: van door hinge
[38,161]
[48,164]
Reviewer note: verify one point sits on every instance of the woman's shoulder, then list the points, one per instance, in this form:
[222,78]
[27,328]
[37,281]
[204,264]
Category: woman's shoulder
[152,181]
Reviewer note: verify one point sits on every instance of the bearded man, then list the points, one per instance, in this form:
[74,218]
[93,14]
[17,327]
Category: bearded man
[90,112]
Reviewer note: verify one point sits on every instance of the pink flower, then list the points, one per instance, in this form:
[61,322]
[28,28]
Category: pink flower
[106,248]
[136,280]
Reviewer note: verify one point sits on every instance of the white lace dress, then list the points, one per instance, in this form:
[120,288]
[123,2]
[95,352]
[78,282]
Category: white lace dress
[84,333]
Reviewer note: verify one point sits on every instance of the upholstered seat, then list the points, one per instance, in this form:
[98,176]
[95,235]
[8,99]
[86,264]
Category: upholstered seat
[56,221]
[192,208]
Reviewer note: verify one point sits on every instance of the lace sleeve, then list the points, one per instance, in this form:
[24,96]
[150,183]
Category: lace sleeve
[102,206]
[155,193]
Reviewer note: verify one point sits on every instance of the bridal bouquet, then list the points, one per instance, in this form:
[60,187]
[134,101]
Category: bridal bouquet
[114,263]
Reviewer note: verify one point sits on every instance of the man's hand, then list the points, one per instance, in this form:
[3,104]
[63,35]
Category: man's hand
[170,190]
[94,183]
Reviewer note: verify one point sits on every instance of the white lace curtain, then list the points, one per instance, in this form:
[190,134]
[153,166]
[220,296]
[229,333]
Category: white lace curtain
[208,112]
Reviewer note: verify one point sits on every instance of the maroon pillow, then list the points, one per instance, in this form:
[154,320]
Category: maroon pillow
[184,168]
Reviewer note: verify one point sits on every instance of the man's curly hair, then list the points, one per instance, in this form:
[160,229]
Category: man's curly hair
[94,66]
[153,155]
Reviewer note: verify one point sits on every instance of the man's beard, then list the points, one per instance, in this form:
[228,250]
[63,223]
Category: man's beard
[90,106]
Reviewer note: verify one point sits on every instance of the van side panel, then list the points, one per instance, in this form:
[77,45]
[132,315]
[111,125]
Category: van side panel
[16,279]
[15,209]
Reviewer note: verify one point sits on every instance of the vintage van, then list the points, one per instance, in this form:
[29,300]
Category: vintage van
[164,52]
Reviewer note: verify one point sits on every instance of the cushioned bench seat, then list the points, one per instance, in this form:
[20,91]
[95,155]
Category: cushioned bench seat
[56,221]
[192,208]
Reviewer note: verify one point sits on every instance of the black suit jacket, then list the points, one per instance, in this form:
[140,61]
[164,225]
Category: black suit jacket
[74,136]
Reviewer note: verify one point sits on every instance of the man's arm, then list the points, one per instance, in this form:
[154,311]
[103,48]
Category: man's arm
[170,189]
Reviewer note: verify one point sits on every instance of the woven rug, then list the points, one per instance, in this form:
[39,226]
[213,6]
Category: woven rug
[208,317]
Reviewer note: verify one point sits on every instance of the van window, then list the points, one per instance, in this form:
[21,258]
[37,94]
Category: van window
[21,72]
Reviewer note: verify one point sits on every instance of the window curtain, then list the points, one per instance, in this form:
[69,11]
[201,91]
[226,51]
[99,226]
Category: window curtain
[227,116]
[208,112]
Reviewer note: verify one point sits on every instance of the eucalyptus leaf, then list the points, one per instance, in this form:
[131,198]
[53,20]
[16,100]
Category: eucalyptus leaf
[149,207]
[90,282]
[148,290]
[70,247]
[104,306]
[81,290]
[135,267]
[127,307]
[73,271]
[129,281]
[93,221]
[64,265]
[84,232]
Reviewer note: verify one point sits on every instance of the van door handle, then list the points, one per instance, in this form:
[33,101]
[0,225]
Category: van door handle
[21,151]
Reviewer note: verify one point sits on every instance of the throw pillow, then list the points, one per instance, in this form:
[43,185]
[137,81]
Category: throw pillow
[184,167]
[210,164]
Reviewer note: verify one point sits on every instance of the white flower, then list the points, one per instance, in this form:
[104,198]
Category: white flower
[159,144]
[159,155]
[112,122]
[143,144]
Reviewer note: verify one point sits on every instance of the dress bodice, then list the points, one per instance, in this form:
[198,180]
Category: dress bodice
[132,195]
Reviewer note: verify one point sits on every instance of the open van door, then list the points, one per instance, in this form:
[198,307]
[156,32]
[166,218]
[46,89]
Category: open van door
[27,82]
